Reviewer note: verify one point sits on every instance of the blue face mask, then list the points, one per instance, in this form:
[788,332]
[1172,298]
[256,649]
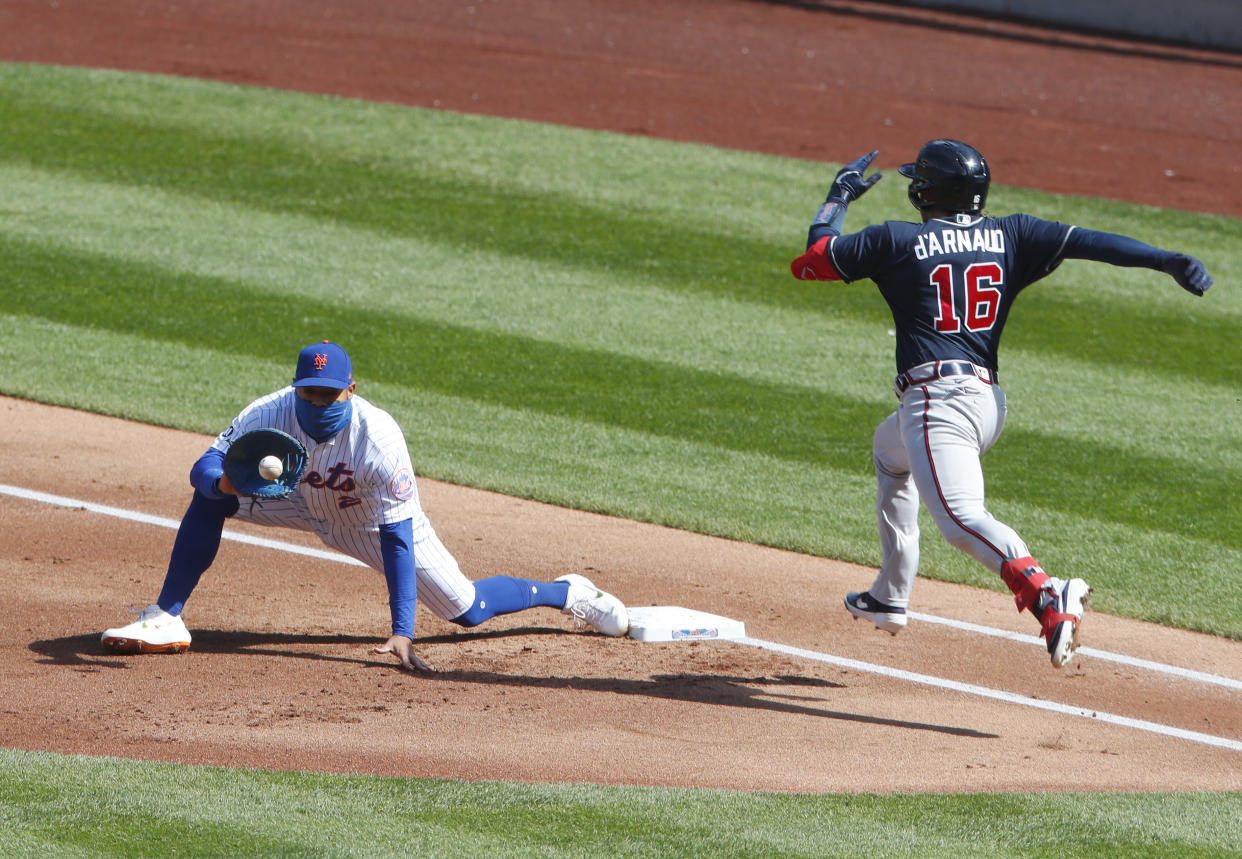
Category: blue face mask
[322,422]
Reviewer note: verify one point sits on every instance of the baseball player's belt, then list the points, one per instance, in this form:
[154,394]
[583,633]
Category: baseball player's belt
[938,369]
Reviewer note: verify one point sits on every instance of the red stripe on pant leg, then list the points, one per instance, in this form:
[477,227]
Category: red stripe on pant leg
[936,479]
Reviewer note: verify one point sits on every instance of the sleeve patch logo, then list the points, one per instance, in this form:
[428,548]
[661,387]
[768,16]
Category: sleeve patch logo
[402,485]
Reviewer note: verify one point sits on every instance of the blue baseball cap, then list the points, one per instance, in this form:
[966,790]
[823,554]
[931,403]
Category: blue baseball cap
[323,365]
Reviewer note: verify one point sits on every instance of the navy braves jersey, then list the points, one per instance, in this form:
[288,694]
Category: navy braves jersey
[949,282]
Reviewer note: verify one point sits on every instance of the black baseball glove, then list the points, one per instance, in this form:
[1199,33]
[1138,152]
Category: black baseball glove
[241,463]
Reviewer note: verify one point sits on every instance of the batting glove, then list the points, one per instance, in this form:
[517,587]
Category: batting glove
[850,184]
[1189,273]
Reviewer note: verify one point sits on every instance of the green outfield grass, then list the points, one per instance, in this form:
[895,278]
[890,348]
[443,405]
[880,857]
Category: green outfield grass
[607,323]
[74,806]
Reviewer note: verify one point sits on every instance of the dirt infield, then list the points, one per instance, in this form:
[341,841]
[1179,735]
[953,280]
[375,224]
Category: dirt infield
[281,674]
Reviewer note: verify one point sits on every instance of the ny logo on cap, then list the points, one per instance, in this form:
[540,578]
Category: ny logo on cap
[321,360]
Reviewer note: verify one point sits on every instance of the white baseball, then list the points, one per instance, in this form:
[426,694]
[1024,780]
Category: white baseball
[270,467]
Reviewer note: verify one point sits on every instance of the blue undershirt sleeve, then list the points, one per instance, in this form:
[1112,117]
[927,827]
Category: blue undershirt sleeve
[397,549]
[206,471]
[1113,249]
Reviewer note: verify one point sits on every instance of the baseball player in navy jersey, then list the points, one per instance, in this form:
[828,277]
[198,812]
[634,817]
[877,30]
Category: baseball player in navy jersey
[950,282]
[359,495]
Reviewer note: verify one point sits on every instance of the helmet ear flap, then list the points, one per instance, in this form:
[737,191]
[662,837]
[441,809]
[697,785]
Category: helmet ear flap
[918,184]
[915,194]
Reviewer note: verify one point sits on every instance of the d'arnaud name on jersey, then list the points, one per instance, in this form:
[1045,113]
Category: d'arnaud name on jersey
[959,241]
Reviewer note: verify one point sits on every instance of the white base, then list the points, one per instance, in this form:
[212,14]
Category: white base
[673,623]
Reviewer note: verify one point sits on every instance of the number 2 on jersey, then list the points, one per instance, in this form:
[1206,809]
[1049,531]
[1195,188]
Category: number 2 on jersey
[982,297]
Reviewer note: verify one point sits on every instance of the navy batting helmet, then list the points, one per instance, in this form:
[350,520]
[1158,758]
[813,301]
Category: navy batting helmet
[948,175]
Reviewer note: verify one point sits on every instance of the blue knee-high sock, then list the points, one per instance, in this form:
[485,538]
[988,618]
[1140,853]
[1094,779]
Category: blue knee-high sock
[194,550]
[505,595]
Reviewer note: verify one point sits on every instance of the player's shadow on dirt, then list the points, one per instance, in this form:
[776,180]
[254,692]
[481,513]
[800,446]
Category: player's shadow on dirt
[778,693]
[85,650]
[763,693]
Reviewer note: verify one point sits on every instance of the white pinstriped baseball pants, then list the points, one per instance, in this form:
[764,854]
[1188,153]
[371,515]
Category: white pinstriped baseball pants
[929,449]
[442,586]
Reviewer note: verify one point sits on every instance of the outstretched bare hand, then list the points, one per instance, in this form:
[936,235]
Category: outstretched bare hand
[403,648]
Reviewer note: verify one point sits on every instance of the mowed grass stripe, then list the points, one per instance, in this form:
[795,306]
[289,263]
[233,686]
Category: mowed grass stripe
[303,257]
[661,399]
[374,193]
[1150,331]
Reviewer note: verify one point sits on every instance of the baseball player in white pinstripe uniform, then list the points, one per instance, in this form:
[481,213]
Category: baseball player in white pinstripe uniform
[359,495]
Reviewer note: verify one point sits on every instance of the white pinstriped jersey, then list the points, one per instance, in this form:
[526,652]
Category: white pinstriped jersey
[355,481]
[359,478]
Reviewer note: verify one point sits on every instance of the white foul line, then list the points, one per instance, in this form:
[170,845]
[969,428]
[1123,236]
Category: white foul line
[839,661]
[164,522]
[1120,658]
[995,694]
